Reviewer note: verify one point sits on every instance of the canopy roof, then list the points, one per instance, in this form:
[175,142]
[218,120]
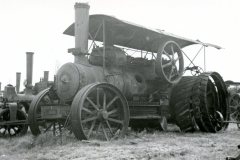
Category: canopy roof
[130,35]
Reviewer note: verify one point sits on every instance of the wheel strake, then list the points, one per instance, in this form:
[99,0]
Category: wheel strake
[183,99]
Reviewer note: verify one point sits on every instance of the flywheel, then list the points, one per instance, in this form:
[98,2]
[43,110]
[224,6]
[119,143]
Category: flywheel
[169,63]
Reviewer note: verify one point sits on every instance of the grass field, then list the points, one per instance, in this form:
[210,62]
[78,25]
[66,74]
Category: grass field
[172,145]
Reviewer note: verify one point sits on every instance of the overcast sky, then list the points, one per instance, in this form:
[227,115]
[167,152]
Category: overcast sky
[37,26]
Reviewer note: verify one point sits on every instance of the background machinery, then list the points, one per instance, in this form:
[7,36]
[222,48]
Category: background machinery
[14,105]
[107,89]
[234,101]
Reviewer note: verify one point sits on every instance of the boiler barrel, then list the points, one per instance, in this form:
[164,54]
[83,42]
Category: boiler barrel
[71,77]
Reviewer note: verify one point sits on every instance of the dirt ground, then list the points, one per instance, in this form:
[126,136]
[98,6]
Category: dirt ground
[172,145]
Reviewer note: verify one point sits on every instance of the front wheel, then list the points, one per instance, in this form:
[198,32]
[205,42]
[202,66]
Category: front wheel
[99,111]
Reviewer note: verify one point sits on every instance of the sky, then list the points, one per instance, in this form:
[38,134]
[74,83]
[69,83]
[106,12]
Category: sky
[37,26]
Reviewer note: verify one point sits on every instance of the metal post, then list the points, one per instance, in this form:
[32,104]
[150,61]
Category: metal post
[0,86]
[29,62]
[204,51]
[18,81]
[81,32]
[104,47]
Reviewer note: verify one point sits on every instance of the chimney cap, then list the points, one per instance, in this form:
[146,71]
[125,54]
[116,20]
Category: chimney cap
[81,5]
[29,52]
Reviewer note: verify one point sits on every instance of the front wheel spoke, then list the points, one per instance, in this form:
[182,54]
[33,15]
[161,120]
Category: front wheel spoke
[111,102]
[105,133]
[112,111]
[92,103]
[91,129]
[87,110]
[115,120]
[99,126]
[104,100]
[98,103]
[89,119]
[109,127]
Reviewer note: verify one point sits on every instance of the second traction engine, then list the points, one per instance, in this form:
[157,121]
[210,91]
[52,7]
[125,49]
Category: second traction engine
[106,90]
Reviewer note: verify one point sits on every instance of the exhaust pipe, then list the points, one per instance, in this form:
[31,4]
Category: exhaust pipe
[81,32]
[29,60]
[18,81]
[45,77]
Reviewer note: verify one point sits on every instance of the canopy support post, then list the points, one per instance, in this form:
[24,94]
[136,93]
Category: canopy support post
[104,47]
[204,52]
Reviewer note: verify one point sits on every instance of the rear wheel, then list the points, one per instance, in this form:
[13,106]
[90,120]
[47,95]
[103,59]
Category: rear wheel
[213,102]
[200,102]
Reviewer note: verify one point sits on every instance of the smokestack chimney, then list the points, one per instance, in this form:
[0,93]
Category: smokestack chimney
[81,32]
[18,81]
[45,78]
[29,68]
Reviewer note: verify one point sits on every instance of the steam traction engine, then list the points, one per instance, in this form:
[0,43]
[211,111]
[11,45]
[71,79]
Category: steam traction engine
[106,90]
[14,105]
